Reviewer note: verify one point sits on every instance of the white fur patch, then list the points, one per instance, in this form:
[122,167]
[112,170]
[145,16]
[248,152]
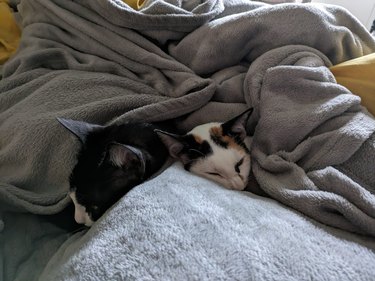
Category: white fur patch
[204,130]
[80,214]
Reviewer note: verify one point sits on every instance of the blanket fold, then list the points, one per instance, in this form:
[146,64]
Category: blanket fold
[287,151]
[248,35]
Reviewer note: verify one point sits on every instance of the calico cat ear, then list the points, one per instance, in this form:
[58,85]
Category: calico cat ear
[122,155]
[237,125]
[173,142]
[79,128]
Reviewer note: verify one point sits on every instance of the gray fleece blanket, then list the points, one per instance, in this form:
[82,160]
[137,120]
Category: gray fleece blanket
[195,62]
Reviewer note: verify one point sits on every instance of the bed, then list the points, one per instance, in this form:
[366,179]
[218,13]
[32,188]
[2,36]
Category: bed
[104,62]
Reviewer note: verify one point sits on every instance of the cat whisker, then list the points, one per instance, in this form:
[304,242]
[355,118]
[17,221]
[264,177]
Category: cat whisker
[192,160]
[197,151]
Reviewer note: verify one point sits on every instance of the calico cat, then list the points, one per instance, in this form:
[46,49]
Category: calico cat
[216,151]
[112,160]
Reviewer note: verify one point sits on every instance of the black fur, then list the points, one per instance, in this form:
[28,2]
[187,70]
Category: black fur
[228,129]
[194,150]
[99,183]
[219,141]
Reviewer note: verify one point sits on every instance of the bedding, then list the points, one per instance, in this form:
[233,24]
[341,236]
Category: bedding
[9,32]
[195,62]
[357,75]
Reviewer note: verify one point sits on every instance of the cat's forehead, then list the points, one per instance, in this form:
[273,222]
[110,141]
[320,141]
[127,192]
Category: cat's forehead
[214,134]
[204,131]
[223,155]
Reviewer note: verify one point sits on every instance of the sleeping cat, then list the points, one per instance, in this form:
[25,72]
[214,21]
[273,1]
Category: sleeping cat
[216,151]
[112,160]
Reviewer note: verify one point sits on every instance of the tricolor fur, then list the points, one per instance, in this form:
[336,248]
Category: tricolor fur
[216,151]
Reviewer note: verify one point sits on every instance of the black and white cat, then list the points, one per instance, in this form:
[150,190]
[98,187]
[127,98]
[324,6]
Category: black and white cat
[217,151]
[112,160]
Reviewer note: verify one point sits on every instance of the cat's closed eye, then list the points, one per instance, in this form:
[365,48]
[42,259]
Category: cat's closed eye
[214,174]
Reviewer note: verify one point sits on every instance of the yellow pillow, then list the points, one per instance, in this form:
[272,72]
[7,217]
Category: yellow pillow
[358,75]
[135,4]
[9,32]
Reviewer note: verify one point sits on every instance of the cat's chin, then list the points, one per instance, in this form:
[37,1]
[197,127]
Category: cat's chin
[241,188]
[89,223]
[235,187]
[232,184]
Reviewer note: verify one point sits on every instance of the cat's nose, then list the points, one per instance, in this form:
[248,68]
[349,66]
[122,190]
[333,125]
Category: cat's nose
[237,183]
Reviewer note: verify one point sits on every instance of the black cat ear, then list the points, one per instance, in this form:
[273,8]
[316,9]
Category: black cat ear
[79,128]
[237,125]
[123,156]
[173,143]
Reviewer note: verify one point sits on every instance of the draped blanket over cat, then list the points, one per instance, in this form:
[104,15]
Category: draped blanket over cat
[112,160]
[216,151]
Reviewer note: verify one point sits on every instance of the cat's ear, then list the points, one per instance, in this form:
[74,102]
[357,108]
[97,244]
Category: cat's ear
[237,125]
[79,128]
[173,143]
[124,156]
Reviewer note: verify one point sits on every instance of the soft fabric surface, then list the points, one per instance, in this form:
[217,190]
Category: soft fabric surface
[101,62]
[293,159]
[201,231]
